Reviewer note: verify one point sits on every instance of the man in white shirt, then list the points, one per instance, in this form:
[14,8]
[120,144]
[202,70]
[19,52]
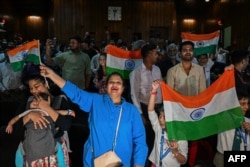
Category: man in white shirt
[141,80]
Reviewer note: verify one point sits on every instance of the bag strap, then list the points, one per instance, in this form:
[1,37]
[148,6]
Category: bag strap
[117,128]
[116,133]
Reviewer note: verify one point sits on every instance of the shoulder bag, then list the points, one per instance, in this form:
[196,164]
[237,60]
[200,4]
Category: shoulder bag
[110,159]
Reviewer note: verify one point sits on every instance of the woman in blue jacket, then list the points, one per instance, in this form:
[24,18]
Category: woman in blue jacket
[104,111]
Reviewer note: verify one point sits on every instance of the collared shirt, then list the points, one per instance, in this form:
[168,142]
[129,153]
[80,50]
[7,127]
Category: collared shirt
[154,157]
[188,85]
[8,78]
[75,67]
[225,140]
[141,84]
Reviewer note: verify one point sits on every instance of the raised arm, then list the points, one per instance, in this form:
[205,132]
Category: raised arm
[151,103]
[49,73]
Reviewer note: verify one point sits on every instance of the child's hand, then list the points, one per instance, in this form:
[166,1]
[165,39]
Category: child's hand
[155,85]
[9,129]
[38,119]
[246,125]
[173,145]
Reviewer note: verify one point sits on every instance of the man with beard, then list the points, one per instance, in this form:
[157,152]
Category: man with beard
[188,79]
[74,63]
[141,79]
[170,60]
[75,67]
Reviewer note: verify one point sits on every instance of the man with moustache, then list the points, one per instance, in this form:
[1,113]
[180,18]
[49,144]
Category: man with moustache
[75,67]
[141,79]
[188,79]
[74,63]
[170,60]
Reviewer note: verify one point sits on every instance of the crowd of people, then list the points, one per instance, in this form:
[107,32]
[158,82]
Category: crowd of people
[126,117]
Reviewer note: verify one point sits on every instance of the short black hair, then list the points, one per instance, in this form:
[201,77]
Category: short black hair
[87,41]
[238,55]
[44,96]
[147,48]
[241,94]
[76,37]
[184,43]
[204,54]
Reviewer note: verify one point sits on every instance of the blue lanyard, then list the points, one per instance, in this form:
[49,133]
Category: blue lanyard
[243,137]
[162,155]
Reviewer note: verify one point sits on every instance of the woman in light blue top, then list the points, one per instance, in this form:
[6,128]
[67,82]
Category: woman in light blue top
[104,110]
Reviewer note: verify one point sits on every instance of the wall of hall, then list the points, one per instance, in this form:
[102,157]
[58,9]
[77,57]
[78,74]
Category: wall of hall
[144,19]
[139,18]
[237,15]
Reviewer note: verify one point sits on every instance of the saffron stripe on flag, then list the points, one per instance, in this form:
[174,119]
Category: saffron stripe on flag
[28,52]
[186,116]
[182,113]
[27,46]
[122,61]
[200,37]
[203,43]
[121,53]
[204,97]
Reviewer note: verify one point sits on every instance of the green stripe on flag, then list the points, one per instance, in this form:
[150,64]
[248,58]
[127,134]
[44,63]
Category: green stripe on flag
[17,66]
[32,58]
[124,73]
[204,50]
[207,126]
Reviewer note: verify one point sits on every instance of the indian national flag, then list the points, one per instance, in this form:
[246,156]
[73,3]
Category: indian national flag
[122,61]
[213,111]
[29,52]
[203,43]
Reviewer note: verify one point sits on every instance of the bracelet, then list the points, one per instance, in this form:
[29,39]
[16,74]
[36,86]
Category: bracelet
[69,111]
[153,93]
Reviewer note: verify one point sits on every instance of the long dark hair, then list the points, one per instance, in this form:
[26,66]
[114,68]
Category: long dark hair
[100,72]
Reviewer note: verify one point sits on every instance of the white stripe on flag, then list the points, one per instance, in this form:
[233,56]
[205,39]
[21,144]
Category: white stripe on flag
[120,63]
[204,43]
[223,100]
